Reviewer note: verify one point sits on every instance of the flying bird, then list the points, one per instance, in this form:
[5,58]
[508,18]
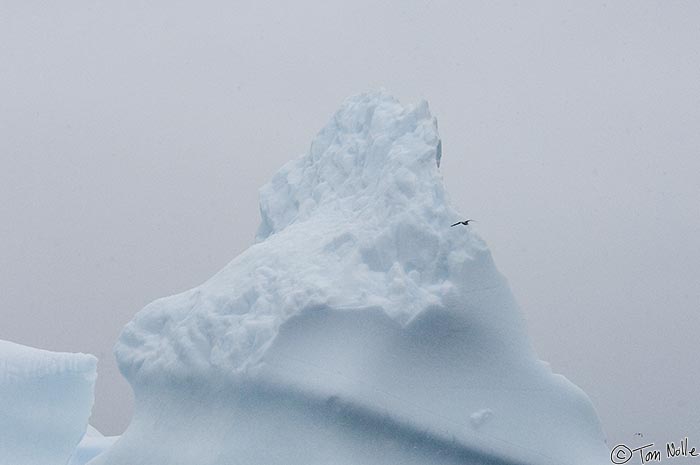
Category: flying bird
[465,223]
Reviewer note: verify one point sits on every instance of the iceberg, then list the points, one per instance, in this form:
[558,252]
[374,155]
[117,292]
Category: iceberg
[358,328]
[45,402]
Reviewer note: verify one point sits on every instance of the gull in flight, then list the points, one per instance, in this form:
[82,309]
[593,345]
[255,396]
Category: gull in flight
[465,223]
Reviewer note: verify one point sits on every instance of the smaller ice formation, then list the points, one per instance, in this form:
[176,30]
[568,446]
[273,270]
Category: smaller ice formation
[92,445]
[45,402]
[480,417]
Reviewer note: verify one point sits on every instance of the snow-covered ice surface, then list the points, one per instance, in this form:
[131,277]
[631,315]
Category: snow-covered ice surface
[360,328]
[45,402]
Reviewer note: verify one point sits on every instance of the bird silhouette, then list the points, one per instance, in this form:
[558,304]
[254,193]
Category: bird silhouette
[465,223]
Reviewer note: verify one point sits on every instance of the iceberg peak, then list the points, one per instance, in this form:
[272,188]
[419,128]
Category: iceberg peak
[362,220]
[373,153]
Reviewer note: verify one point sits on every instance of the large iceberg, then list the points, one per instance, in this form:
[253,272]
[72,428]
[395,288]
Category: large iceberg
[358,329]
[45,402]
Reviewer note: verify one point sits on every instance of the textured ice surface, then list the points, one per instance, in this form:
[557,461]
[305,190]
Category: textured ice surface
[45,403]
[359,328]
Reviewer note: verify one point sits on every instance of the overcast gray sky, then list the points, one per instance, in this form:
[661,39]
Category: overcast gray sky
[133,139]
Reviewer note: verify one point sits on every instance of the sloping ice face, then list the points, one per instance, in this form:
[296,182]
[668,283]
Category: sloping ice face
[45,402]
[359,328]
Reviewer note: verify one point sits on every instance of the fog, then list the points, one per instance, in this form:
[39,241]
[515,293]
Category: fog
[134,137]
